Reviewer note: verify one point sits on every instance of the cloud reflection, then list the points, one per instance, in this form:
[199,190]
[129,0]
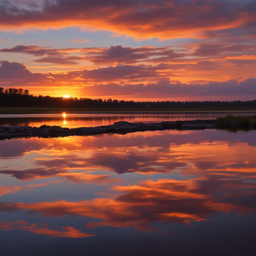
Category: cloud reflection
[43,230]
[216,173]
[148,202]
[13,189]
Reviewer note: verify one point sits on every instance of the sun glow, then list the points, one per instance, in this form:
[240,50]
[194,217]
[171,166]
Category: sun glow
[64,115]
[66,96]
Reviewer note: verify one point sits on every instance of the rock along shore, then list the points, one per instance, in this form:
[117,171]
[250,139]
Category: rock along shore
[122,127]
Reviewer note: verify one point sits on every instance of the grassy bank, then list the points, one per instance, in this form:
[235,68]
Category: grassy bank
[85,110]
[241,120]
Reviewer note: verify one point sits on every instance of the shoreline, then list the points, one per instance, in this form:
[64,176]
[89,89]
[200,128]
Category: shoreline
[121,127]
[133,111]
[4,111]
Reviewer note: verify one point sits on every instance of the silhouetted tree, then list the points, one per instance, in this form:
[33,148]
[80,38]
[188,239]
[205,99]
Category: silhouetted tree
[26,92]
[21,98]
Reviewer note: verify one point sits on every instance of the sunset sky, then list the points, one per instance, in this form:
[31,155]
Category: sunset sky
[132,50]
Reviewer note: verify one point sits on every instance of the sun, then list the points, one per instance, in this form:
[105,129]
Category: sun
[66,96]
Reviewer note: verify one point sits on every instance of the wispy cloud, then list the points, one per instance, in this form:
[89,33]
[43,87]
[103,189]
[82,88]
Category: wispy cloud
[80,40]
[36,229]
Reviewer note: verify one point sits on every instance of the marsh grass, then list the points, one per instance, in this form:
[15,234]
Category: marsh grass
[52,130]
[241,120]
[237,130]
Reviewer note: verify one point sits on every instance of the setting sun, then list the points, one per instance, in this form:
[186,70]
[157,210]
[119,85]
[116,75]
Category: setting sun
[138,118]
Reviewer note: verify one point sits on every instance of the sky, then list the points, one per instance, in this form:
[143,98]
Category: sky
[133,50]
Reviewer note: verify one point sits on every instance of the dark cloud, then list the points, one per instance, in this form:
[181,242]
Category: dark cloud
[32,50]
[120,72]
[10,70]
[218,49]
[146,77]
[13,71]
[142,81]
[60,60]
[55,56]
[164,89]
[119,55]
[104,56]
[36,173]
[147,19]
[128,55]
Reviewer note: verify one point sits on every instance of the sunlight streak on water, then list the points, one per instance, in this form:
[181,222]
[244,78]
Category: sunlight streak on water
[97,119]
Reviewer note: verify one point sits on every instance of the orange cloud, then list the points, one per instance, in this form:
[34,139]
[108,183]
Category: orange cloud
[142,72]
[15,189]
[88,178]
[33,174]
[80,40]
[143,204]
[163,19]
[37,230]
[143,81]
[243,57]
[139,73]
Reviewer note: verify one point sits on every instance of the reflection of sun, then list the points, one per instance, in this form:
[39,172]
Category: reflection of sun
[66,96]
[64,115]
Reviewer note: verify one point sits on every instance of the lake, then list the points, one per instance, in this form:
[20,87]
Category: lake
[144,193]
[73,120]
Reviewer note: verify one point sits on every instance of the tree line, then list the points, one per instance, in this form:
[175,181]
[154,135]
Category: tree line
[13,97]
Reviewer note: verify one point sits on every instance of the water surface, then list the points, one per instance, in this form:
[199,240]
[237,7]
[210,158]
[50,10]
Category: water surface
[72,120]
[145,193]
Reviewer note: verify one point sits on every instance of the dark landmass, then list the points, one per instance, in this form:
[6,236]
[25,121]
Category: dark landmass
[27,110]
[11,100]
[230,123]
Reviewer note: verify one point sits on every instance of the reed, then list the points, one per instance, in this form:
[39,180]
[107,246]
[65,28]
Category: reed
[241,120]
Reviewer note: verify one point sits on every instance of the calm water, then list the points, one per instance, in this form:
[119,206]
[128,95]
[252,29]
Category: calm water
[97,119]
[145,193]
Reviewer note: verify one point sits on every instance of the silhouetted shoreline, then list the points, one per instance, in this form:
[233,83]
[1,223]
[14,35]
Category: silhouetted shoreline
[22,110]
[19,98]
[123,127]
